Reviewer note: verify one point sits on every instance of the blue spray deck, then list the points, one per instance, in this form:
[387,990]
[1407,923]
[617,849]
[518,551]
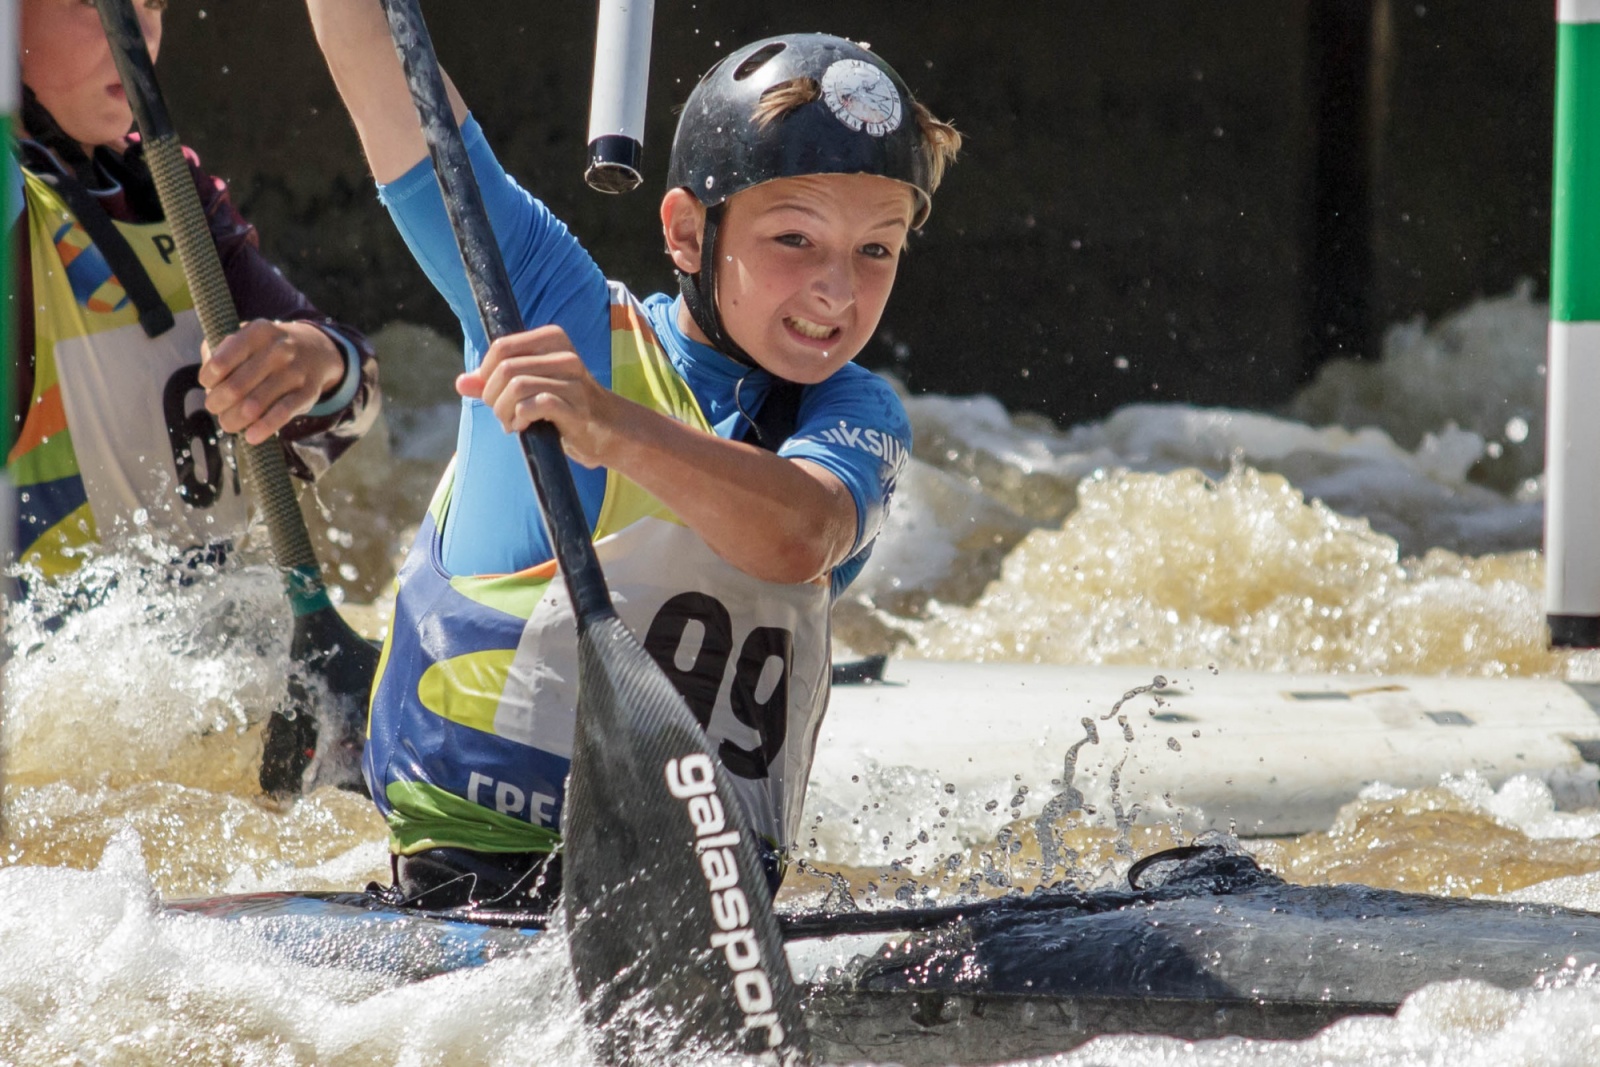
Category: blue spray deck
[1218,947]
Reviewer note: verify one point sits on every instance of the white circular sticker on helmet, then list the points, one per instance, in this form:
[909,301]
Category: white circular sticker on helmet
[862,96]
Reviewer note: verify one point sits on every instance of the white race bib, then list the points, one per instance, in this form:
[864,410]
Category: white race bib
[152,459]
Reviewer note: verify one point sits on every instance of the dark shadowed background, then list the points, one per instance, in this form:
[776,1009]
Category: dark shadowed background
[1133,217]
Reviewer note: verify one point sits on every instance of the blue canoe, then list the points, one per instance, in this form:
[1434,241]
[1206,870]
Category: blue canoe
[1202,943]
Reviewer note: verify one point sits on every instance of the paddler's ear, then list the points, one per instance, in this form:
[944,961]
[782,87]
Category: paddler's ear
[683,220]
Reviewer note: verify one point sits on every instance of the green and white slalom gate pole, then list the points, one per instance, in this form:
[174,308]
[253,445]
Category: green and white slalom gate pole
[1572,449]
[10,191]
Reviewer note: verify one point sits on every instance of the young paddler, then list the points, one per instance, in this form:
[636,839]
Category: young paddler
[734,463]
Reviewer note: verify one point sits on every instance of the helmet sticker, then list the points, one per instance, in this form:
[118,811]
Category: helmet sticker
[862,96]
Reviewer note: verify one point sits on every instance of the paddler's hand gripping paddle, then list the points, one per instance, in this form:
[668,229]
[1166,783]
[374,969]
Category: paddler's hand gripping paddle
[655,850]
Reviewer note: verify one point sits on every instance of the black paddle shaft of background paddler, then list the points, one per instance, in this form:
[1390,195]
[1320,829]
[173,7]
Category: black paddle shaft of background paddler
[668,913]
[338,662]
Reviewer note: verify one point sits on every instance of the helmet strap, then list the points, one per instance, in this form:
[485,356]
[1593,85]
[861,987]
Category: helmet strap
[700,292]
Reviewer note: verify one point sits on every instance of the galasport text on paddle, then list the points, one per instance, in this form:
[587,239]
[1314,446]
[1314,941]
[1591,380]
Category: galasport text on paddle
[641,908]
[330,659]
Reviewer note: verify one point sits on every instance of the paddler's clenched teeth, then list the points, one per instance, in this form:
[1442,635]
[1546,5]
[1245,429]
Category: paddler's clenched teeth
[814,330]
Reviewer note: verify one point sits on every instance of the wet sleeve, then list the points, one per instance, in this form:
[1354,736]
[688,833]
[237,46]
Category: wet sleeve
[854,426]
[554,277]
[260,291]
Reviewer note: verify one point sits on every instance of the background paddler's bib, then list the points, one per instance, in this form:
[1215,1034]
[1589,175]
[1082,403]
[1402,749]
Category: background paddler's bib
[117,439]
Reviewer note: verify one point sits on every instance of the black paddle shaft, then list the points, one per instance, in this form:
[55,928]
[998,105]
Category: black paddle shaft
[332,659]
[673,942]
[497,304]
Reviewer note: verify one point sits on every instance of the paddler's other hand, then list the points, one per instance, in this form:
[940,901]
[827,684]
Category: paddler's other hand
[533,376]
[266,374]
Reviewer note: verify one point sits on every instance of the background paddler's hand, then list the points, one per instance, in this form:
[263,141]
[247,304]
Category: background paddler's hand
[268,373]
[535,375]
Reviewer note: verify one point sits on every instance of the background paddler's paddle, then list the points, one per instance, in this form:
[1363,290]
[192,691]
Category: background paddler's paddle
[667,908]
[328,656]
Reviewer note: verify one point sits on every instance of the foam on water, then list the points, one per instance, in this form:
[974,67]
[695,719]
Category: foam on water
[124,692]
[95,974]
[1171,534]
[1459,1024]
[146,712]
[1459,838]
[1242,573]
[1480,368]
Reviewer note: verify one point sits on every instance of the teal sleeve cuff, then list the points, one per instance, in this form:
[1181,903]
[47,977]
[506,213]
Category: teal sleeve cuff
[340,398]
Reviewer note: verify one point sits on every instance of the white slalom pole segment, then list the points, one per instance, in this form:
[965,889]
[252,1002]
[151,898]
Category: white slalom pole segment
[617,106]
[10,82]
[1572,516]
[1574,11]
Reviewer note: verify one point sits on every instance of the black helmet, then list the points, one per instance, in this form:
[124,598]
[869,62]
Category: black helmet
[861,122]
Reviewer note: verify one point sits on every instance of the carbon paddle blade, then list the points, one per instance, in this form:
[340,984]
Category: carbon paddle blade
[673,940]
[316,738]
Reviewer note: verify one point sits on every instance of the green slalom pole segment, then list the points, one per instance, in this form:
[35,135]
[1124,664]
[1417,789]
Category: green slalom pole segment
[1572,452]
[1575,208]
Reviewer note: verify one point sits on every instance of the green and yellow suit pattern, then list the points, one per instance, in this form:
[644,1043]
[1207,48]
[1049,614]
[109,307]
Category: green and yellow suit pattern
[96,446]
[472,715]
